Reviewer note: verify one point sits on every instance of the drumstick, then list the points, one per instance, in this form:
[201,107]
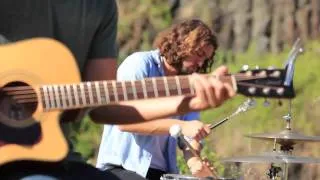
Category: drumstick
[176,132]
[242,108]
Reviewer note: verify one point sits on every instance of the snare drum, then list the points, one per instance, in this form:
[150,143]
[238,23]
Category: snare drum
[186,177]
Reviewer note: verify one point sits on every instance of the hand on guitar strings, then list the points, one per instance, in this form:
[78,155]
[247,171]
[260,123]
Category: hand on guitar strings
[210,91]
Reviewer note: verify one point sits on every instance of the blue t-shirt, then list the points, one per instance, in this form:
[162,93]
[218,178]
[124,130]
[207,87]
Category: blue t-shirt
[136,152]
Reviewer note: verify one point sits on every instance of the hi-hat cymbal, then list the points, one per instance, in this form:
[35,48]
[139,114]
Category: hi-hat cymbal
[272,157]
[285,137]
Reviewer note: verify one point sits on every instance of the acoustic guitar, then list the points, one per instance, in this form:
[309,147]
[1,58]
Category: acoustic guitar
[39,78]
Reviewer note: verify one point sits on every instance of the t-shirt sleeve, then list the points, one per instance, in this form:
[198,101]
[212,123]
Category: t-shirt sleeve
[104,41]
[191,116]
[134,67]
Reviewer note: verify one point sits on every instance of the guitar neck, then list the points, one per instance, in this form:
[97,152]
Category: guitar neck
[96,93]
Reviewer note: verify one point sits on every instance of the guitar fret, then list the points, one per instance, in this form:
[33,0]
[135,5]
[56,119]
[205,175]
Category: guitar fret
[66,96]
[46,97]
[83,94]
[124,89]
[172,86]
[106,91]
[155,89]
[63,96]
[60,96]
[184,83]
[56,93]
[190,84]
[97,87]
[94,93]
[134,90]
[165,81]
[51,97]
[178,85]
[90,93]
[234,83]
[74,89]
[115,93]
[128,88]
[144,88]
[69,95]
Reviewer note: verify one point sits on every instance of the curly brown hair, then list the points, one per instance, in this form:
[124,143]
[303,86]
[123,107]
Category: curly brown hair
[184,40]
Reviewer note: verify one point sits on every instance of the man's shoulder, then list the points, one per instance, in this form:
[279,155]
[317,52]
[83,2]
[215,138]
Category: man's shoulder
[139,65]
[142,57]
[145,55]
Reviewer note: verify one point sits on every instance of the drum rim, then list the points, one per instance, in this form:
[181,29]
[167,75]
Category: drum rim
[193,177]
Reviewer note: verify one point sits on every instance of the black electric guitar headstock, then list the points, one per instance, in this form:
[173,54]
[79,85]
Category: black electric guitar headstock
[264,83]
[270,82]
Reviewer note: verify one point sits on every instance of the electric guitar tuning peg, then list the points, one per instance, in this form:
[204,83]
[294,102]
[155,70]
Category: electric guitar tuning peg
[287,117]
[266,103]
[270,67]
[245,67]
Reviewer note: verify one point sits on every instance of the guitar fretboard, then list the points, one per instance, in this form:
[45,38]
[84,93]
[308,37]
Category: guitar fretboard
[88,94]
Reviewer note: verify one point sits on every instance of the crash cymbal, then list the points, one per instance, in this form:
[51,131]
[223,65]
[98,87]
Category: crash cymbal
[272,157]
[286,137]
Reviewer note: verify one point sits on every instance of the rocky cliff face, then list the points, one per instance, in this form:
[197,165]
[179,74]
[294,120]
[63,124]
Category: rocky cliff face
[268,25]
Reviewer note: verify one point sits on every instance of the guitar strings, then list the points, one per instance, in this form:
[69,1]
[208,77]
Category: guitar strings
[25,94]
[239,77]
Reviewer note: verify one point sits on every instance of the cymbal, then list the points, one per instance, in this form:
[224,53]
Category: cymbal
[285,137]
[272,157]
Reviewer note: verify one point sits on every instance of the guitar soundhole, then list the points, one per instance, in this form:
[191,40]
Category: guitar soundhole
[18,101]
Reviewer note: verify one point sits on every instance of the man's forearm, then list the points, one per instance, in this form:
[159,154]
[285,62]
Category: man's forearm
[139,111]
[155,127]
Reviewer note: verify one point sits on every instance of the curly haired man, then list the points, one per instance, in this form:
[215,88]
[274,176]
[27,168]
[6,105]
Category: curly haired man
[146,150]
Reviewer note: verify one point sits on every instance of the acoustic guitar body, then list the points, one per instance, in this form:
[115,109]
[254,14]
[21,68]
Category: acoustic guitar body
[26,131]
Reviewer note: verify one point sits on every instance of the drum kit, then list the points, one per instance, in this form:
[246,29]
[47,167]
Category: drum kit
[286,140]
[281,155]
[176,132]
[186,177]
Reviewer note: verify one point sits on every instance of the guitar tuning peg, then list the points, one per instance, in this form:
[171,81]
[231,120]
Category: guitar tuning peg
[245,67]
[252,102]
[301,50]
[266,103]
[257,67]
[280,102]
[287,117]
[270,67]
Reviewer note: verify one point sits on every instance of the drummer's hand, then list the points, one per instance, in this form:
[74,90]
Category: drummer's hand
[200,168]
[197,130]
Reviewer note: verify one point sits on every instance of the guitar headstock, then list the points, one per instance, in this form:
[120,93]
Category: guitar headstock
[264,83]
[271,83]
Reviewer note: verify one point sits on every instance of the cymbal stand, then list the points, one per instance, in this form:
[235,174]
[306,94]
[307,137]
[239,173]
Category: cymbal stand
[274,172]
[288,117]
[286,147]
